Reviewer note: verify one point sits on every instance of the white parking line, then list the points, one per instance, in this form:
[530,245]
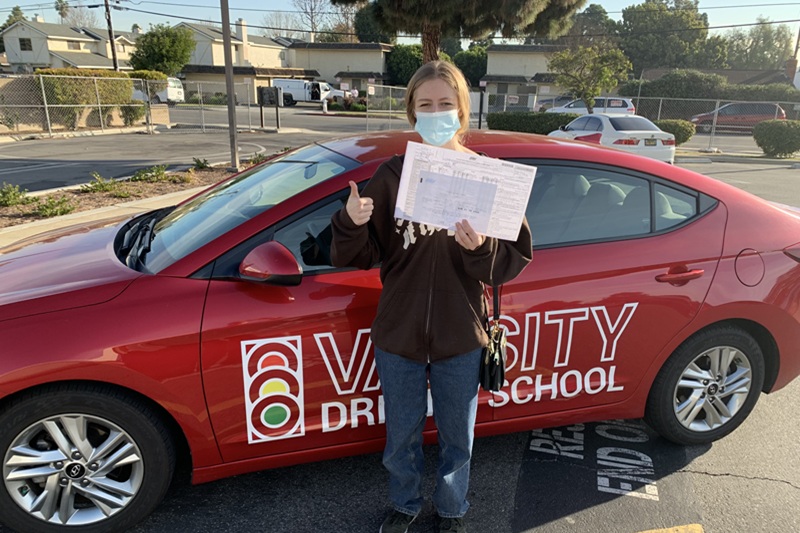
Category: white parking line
[40,166]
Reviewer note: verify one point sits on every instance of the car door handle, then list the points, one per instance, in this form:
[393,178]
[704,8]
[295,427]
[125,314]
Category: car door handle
[679,278]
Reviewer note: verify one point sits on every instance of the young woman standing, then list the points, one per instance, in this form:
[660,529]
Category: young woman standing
[430,326]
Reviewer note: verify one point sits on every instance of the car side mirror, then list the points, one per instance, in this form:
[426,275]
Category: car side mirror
[563,127]
[271,263]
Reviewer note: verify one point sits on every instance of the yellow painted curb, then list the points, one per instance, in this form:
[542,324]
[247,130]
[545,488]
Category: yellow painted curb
[691,528]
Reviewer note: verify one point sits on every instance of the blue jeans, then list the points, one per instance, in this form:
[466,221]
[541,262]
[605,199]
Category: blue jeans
[454,391]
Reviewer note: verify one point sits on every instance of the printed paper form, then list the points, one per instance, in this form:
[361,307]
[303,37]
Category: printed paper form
[440,187]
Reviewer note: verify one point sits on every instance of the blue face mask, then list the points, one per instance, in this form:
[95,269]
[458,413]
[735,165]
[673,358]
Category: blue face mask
[437,128]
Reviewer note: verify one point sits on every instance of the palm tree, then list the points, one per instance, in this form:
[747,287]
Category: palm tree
[62,7]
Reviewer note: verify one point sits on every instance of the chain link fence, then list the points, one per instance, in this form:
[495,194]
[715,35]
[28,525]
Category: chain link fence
[386,108]
[56,104]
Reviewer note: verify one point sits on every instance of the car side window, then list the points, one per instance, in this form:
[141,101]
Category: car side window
[672,206]
[579,124]
[309,236]
[578,204]
[577,104]
[593,124]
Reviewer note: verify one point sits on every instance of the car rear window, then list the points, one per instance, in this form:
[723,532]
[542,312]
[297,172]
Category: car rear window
[632,123]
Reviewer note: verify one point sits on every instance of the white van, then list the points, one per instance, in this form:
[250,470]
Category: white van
[172,93]
[306,91]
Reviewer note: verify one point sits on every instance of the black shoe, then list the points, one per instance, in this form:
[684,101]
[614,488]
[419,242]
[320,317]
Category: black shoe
[397,522]
[452,525]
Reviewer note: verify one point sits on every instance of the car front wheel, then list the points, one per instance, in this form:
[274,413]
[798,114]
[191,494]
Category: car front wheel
[707,387]
[81,459]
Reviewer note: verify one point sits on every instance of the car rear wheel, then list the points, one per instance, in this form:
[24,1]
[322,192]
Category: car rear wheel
[705,127]
[83,460]
[707,387]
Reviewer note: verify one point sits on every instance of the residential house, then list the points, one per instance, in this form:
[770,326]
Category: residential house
[356,64]
[258,60]
[520,70]
[34,44]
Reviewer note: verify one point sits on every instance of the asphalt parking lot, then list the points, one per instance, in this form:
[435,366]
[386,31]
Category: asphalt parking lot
[749,481]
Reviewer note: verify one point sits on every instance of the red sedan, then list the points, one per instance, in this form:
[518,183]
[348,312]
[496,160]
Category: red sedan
[217,333]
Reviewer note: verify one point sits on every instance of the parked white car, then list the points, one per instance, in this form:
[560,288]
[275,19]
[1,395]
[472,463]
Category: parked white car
[601,105]
[631,133]
[172,93]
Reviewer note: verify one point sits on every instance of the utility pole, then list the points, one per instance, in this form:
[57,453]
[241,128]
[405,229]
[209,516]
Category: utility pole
[111,37]
[229,87]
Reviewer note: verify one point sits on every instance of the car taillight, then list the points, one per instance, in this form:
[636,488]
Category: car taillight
[627,142]
[668,142]
[632,109]
[793,252]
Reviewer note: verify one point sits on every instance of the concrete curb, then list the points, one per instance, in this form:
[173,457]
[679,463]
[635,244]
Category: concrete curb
[16,233]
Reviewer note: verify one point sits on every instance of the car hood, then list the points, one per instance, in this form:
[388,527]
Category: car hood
[69,268]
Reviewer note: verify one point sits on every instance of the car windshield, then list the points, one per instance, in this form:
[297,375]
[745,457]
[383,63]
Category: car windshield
[632,123]
[222,208]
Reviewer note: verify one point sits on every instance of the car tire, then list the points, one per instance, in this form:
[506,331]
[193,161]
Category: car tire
[705,127]
[155,100]
[693,399]
[129,468]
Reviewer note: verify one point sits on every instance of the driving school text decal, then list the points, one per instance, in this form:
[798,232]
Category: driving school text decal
[273,372]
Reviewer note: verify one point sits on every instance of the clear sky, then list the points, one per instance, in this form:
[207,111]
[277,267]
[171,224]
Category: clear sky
[720,12]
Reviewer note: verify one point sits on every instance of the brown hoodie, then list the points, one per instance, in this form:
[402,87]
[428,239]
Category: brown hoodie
[432,304]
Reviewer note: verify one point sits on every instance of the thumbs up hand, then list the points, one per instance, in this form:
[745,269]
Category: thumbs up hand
[359,209]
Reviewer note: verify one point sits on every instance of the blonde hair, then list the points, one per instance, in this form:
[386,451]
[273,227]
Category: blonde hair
[448,73]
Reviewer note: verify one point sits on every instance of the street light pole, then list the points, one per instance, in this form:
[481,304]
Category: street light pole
[229,87]
[111,36]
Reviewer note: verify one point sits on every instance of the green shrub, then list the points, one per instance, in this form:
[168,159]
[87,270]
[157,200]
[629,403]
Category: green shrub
[335,107]
[200,164]
[683,130]
[778,138]
[151,175]
[99,184]
[54,207]
[258,158]
[12,195]
[132,113]
[542,123]
[358,107]
[147,75]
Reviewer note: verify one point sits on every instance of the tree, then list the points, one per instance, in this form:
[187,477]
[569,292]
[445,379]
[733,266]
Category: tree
[472,63]
[586,72]
[338,33]
[471,18]
[62,8]
[450,45]
[312,13]
[367,28]
[663,33]
[591,27]
[15,16]
[281,24]
[163,49]
[402,62]
[765,46]
[344,20]
[80,16]
[135,27]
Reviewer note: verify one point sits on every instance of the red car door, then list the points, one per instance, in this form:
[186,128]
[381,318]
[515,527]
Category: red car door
[586,320]
[291,368]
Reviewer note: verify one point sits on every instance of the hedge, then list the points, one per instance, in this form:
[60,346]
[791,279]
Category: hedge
[62,88]
[542,123]
[683,130]
[778,138]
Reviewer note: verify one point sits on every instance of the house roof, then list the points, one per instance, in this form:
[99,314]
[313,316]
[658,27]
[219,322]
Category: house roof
[342,46]
[209,31]
[253,71]
[502,78]
[544,77]
[526,48]
[740,77]
[359,75]
[73,33]
[86,60]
